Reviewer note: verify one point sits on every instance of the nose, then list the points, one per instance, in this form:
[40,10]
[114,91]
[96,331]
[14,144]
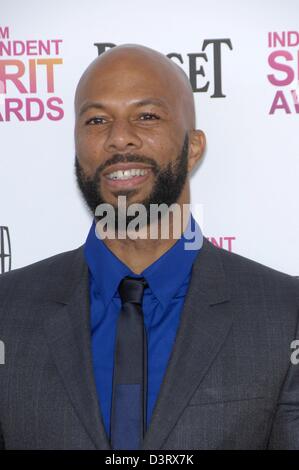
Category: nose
[121,137]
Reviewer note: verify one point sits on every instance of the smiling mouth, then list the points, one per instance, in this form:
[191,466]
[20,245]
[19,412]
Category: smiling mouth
[122,175]
[127,176]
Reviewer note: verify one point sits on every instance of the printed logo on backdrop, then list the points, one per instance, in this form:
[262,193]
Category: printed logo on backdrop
[5,250]
[28,76]
[212,50]
[284,62]
[223,242]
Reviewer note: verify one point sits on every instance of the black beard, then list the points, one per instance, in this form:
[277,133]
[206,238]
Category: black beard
[167,188]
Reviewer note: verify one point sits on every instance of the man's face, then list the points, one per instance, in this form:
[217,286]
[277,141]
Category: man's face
[129,119]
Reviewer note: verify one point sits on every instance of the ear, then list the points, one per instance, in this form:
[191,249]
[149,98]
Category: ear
[197,144]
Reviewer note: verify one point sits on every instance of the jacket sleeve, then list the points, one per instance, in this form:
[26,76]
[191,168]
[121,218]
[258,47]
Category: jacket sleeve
[285,429]
[2,445]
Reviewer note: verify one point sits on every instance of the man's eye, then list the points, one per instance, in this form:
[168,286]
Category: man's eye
[96,120]
[149,116]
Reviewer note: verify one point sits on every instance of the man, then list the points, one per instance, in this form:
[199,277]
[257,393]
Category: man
[140,343]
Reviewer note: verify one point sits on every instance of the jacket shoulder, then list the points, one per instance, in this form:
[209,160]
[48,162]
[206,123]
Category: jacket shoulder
[246,274]
[29,278]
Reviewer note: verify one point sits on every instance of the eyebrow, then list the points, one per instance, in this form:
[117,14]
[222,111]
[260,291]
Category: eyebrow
[154,101]
[89,104]
[147,101]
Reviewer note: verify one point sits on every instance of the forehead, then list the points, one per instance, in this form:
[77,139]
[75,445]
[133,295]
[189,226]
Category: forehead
[124,81]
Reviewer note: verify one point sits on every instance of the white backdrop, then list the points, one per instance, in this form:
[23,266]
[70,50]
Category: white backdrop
[248,181]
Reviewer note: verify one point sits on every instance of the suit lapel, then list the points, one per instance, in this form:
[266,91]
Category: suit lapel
[67,329]
[205,322]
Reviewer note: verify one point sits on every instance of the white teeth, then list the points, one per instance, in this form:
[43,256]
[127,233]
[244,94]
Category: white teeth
[126,174]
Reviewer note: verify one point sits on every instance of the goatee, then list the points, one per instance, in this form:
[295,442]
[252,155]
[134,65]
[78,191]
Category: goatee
[168,185]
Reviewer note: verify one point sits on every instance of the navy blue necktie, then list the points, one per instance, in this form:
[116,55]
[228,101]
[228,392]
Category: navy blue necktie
[129,395]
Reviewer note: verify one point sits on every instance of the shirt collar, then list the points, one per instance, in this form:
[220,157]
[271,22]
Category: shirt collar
[165,276]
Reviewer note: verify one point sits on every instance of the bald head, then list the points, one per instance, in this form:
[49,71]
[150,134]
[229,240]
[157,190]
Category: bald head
[145,66]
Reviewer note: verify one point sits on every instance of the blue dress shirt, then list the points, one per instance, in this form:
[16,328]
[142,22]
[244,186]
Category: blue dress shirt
[168,279]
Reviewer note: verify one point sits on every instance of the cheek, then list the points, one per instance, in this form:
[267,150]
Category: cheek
[88,150]
[164,148]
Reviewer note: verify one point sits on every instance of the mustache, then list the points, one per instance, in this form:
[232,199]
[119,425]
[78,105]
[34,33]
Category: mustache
[128,158]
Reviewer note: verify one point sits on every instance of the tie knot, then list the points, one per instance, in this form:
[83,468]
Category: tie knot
[131,289]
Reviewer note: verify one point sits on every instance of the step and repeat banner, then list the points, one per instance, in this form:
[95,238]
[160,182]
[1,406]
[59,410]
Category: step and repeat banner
[242,58]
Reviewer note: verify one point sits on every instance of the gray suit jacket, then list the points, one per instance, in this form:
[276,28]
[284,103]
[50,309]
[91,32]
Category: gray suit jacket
[229,383]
